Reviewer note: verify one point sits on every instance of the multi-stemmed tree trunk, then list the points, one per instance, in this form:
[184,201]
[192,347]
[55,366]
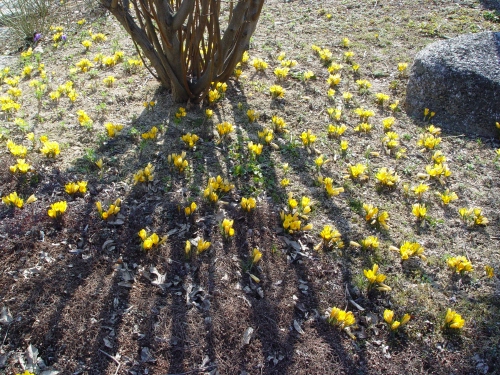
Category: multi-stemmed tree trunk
[183,41]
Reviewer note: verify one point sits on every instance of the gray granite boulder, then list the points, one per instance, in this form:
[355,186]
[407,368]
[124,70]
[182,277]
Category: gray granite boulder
[459,80]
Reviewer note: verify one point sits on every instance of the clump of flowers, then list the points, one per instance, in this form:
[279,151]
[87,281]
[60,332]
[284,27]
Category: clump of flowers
[16,150]
[201,246]
[151,134]
[308,75]
[99,37]
[57,209]
[376,217]
[281,73]
[459,264]
[84,65]
[447,196]
[419,190]
[288,63]
[363,84]
[473,215]
[87,44]
[255,149]
[376,279]
[144,175]
[341,318]
[149,105]
[50,148]
[190,140]
[190,209]
[395,324]
[364,114]
[291,216]
[347,96]
[336,131]
[227,228]
[438,170]
[248,204]
[181,112]
[428,141]
[109,80]
[112,129]
[266,135]
[179,161]
[334,113]
[391,140]
[216,186]
[13,200]
[402,68]
[279,124]
[111,211]
[224,129]
[363,127]
[259,64]
[84,119]
[410,249]
[76,187]
[381,98]
[388,122]
[153,240]
[387,177]
[453,320]
[308,138]
[328,184]
[368,243]
[277,92]
[252,115]
[419,211]
[357,172]
[21,166]
[330,238]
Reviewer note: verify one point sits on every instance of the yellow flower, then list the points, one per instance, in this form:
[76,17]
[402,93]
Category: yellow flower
[181,112]
[336,131]
[256,255]
[245,57]
[330,237]
[227,228]
[308,138]
[310,74]
[109,80]
[248,204]
[209,113]
[266,134]
[255,149]
[363,84]
[330,190]
[345,42]
[279,124]
[16,150]
[410,249]
[453,320]
[99,37]
[285,182]
[148,242]
[447,196]
[259,64]
[76,187]
[13,200]
[21,166]
[151,134]
[99,163]
[87,44]
[347,96]
[394,324]
[375,278]
[357,171]
[387,177]
[277,92]
[144,175]
[84,65]
[334,113]
[57,209]
[50,149]
[190,139]
[224,129]
[112,210]
[344,145]
[202,245]
[334,80]
[252,115]
[420,189]
[460,264]
[341,318]
[179,161]
[112,129]
[381,98]
[281,73]
[388,122]
[490,272]
[190,209]
[402,67]
[370,243]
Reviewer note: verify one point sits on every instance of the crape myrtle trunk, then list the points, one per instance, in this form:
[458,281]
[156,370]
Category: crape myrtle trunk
[183,41]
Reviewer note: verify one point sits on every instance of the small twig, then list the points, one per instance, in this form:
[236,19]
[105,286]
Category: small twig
[114,359]
[5,337]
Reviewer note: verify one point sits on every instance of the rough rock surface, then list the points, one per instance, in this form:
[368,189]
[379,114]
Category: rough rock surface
[459,80]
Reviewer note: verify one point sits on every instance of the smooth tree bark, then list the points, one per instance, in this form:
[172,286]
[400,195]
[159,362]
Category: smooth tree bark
[183,41]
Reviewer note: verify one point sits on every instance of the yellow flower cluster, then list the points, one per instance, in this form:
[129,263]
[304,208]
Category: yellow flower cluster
[201,246]
[374,216]
[144,175]
[111,211]
[363,127]
[190,209]
[113,129]
[279,124]
[447,196]
[181,112]
[419,211]
[363,84]
[370,243]
[255,149]
[216,185]
[151,134]
[391,140]
[87,44]
[224,129]
[395,324]
[190,139]
[21,166]
[308,138]
[16,150]
[252,115]
[357,171]
[277,92]
[334,80]
[227,228]
[334,113]
[410,249]
[428,141]
[99,37]
[281,73]
[376,279]
[109,80]
[474,215]
[341,318]
[13,200]
[266,134]
[460,264]
[331,237]
[453,320]
[8,105]
[57,209]
[84,65]
[328,184]
[84,119]
[325,55]
[179,161]
[50,148]
[248,204]
[64,89]
[388,122]
[259,64]
[336,131]
[148,242]
[381,98]
[387,177]
[364,114]
[76,187]
[291,221]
